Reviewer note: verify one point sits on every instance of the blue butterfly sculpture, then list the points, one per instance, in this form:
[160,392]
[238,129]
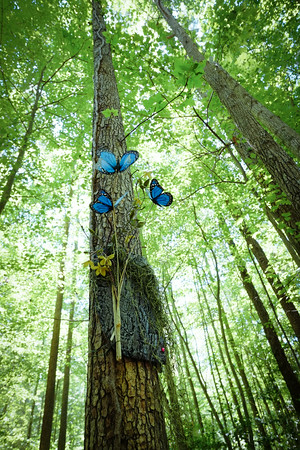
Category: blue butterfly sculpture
[108,163]
[157,195]
[104,202]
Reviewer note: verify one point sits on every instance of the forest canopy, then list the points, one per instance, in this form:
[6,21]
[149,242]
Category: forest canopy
[226,252]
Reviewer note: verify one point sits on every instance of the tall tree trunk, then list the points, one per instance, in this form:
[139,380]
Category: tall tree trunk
[239,105]
[123,408]
[278,288]
[50,389]
[222,320]
[285,368]
[291,242]
[214,367]
[282,212]
[65,393]
[23,147]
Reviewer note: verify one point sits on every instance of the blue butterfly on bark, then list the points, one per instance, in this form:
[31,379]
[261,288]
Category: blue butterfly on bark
[104,203]
[109,164]
[157,195]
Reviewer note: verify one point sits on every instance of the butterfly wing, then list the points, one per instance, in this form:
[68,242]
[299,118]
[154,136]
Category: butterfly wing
[107,163]
[164,199]
[157,195]
[127,159]
[103,204]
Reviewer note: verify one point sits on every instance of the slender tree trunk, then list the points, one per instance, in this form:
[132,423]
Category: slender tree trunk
[278,288]
[238,103]
[22,150]
[222,317]
[261,394]
[192,387]
[65,393]
[175,410]
[285,368]
[221,353]
[212,355]
[258,419]
[123,403]
[286,419]
[180,328]
[50,390]
[287,241]
[225,330]
[214,367]
[56,412]
[230,408]
[29,429]
[39,427]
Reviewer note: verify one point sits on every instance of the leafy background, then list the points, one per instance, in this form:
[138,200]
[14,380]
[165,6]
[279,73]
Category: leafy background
[162,96]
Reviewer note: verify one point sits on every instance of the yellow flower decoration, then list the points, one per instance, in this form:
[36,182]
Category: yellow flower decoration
[103,265]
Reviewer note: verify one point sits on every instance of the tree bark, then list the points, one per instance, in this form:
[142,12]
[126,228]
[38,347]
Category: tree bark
[289,244]
[238,103]
[123,407]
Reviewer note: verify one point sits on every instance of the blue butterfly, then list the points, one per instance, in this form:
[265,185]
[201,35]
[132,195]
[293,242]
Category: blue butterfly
[157,195]
[108,164]
[104,202]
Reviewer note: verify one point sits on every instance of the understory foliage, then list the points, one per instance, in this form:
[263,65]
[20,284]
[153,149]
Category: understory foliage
[218,355]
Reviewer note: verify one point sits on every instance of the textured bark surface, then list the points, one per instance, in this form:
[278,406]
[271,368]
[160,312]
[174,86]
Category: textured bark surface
[244,110]
[123,403]
[123,406]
